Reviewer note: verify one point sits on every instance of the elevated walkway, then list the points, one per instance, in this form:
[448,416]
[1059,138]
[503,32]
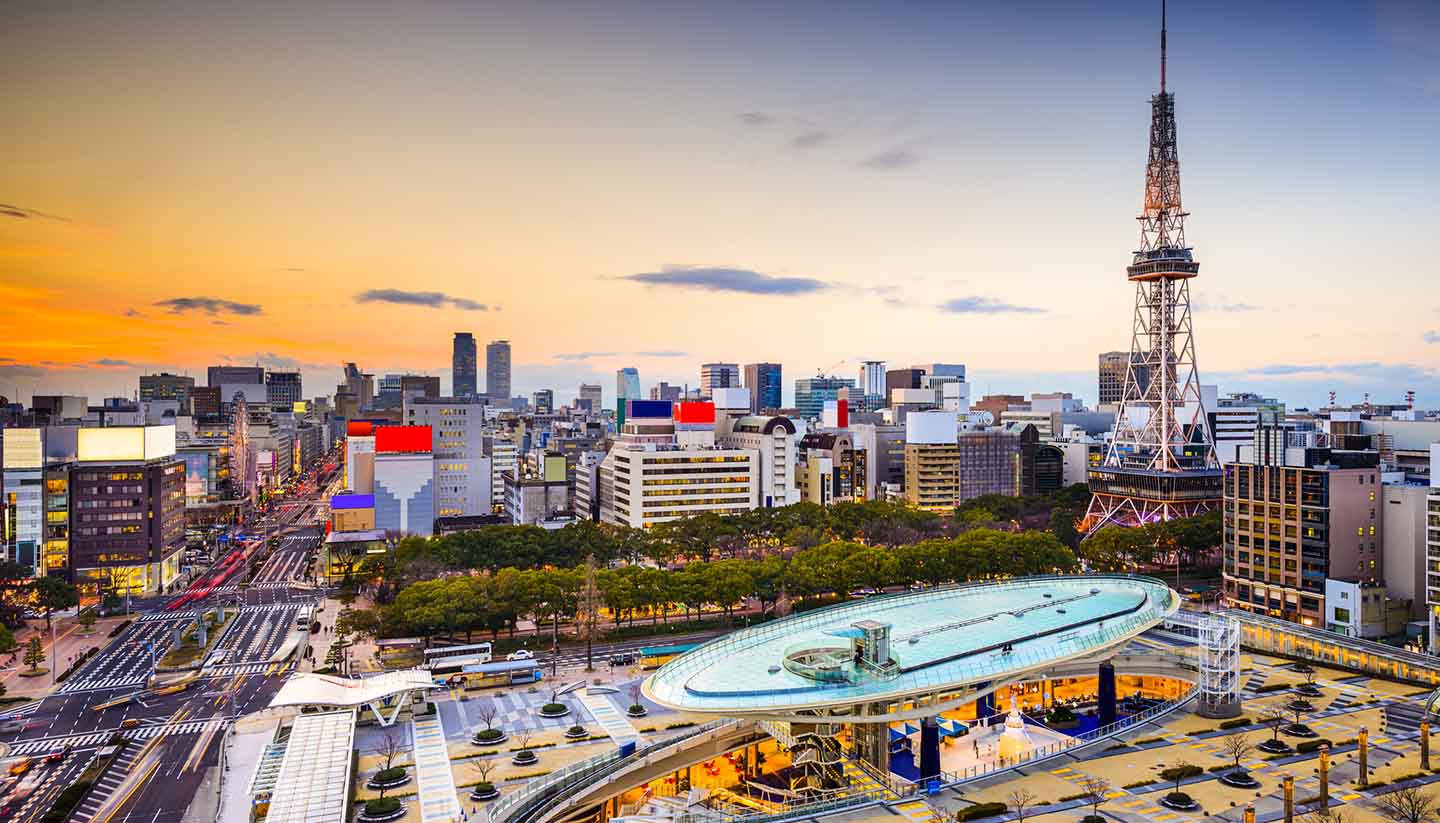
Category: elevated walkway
[611,719]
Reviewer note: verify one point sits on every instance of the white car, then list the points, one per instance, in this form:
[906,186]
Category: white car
[523,654]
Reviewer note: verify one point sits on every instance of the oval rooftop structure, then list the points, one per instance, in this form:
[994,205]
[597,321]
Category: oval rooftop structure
[891,647]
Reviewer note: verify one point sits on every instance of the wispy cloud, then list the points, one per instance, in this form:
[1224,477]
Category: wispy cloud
[756,118]
[112,363]
[985,305]
[584,355]
[809,139]
[717,278]
[209,305]
[21,370]
[22,213]
[590,355]
[1367,371]
[1431,336]
[424,299]
[133,313]
[1221,304]
[890,160]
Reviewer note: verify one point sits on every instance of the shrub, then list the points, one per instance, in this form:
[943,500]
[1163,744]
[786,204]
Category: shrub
[384,805]
[489,734]
[65,802]
[980,810]
[1308,746]
[1067,798]
[679,725]
[1181,772]
[1236,723]
[553,708]
[1138,783]
[387,775]
[1274,687]
[1061,714]
[1148,740]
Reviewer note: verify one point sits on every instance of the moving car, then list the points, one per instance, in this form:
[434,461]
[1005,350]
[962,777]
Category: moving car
[522,654]
[21,766]
[58,755]
[622,659]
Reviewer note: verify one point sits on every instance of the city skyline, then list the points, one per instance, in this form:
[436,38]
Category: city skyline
[176,248]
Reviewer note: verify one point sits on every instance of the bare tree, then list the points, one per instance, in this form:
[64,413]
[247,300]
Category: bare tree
[1178,772]
[1274,717]
[1325,815]
[1407,805]
[1020,801]
[488,711]
[524,739]
[391,746]
[1237,747]
[482,767]
[1094,790]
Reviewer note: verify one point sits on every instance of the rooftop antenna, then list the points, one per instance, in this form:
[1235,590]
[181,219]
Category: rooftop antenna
[1162,45]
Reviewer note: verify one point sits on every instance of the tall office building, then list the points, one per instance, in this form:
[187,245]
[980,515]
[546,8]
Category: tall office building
[462,365]
[1111,385]
[166,386]
[497,371]
[240,375]
[812,392]
[419,385]
[543,401]
[627,384]
[718,376]
[763,381]
[665,391]
[463,474]
[283,389]
[872,377]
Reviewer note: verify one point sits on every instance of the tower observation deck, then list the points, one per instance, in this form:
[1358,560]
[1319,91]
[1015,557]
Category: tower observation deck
[1161,463]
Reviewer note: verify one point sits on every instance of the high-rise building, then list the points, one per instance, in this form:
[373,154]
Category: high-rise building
[543,401]
[127,505]
[462,365]
[166,386]
[283,389]
[627,384]
[1161,461]
[945,467]
[359,384]
[244,375]
[1112,371]
[405,479]
[497,371]
[718,376]
[1432,548]
[830,469]
[901,379]
[763,381]
[463,474]
[1296,519]
[34,503]
[812,392]
[592,394]
[872,377]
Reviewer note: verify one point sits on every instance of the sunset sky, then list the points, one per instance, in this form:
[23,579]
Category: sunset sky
[661,184]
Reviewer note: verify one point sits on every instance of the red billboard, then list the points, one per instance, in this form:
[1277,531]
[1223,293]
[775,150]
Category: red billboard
[695,412]
[842,414]
[359,428]
[411,439]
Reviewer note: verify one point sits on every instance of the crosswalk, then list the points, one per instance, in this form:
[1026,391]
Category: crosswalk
[94,684]
[84,741]
[231,669]
[191,614]
[102,789]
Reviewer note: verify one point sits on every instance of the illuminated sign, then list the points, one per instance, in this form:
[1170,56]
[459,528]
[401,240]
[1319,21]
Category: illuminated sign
[121,443]
[409,439]
[694,413]
[24,449]
[300,407]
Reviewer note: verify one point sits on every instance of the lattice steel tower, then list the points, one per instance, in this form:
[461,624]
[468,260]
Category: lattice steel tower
[1161,464]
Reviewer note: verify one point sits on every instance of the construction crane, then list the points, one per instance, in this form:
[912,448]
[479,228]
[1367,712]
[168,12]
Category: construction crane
[831,368]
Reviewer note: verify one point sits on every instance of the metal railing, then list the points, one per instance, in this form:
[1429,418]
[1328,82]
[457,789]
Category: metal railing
[539,793]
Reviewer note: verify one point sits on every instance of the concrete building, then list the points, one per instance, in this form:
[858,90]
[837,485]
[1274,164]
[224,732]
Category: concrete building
[127,509]
[1047,423]
[419,385]
[884,447]
[1432,548]
[998,404]
[1294,518]
[238,375]
[540,497]
[773,441]
[718,376]
[35,464]
[766,390]
[360,457]
[497,372]
[812,392]
[463,364]
[945,467]
[166,386]
[666,392]
[1111,382]
[590,397]
[405,479]
[205,401]
[283,389]
[649,478]
[1402,544]
[586,499]
[542,401]
[464,479]
[58,409]
[830,469]
[504,457]
[901,379]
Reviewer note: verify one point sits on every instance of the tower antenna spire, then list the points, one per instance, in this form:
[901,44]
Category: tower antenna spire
[1162,45]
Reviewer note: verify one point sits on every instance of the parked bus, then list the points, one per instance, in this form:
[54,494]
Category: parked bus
[451,660]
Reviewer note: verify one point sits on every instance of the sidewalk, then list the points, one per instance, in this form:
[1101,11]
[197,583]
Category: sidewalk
[72,643]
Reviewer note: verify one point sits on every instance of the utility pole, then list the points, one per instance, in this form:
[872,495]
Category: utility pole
[589,611]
